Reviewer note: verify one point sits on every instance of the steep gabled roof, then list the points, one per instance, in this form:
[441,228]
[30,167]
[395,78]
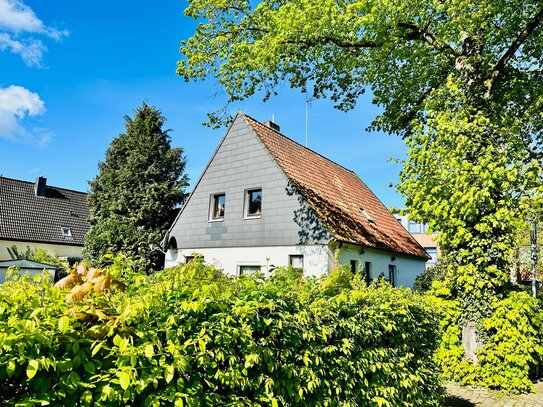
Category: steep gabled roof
[346,206]
[27,217]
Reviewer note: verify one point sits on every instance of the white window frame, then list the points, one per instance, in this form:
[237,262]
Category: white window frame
[241,266]
[246,199]
[291,256]
[212,200]
[66,231]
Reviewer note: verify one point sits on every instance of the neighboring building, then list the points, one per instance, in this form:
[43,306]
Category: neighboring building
[32,268]
[419,230]
[264,200]
[41,216]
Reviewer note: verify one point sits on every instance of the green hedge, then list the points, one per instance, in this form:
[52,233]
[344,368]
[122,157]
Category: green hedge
[192,336]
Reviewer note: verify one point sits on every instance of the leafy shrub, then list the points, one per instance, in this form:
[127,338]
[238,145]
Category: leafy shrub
[192,336]
[424,281]
[513,352]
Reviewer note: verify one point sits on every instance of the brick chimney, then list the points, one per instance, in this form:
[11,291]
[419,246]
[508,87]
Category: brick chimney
[39,186]
[272,125]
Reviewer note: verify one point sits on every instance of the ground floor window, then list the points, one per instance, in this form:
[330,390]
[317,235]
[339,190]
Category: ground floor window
[392,275]
[188,259]
[353,266]
[296,261]
[367,272]
[248,269]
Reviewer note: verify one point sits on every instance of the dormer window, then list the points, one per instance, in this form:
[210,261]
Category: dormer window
[367,215]
[66,232]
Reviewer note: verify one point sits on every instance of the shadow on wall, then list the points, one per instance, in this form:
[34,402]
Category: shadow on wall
[311,230]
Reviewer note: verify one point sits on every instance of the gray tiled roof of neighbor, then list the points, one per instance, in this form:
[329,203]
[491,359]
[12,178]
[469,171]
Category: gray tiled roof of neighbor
[27,217]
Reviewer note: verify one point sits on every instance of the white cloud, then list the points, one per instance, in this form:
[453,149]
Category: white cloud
[31,50]
[17,105]
[18,24]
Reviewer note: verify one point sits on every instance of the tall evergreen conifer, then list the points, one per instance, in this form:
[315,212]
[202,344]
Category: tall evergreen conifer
[137,192]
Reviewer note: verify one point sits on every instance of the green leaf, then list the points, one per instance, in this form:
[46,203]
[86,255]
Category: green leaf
[124,379]
[63,324]
[89,367]
[149,351]
[96,348]
[10,368]
[86,397]
[32,368]
[168,373]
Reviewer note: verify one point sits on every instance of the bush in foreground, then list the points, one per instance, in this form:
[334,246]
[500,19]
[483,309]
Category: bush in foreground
[192,336]
[512,353]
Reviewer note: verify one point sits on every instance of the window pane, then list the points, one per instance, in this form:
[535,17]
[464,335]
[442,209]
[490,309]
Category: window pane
[392,275]
[218,206]
[432,251]
[367,271]
[255,202]
[296,261]
[353,266]
[248,269]
[414,227]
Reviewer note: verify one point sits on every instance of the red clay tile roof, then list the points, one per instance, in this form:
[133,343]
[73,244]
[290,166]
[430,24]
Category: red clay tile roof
[25,217]
[338,196]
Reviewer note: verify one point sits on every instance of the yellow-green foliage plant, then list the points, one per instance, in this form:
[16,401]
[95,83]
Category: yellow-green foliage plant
[193,336]
[512,354]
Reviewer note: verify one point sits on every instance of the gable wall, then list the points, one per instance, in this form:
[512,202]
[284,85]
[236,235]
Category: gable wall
[242,162]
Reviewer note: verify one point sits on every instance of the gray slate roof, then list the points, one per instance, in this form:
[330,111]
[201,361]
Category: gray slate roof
[27,217]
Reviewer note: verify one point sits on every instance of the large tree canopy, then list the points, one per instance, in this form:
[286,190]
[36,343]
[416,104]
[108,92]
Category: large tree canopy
[402,50]
[136,194]
[460,80]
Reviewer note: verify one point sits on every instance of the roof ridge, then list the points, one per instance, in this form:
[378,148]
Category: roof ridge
[48,186]
[301,145]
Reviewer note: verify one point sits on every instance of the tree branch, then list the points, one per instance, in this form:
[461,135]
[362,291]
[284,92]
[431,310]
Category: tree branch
[499,68]
[417,33]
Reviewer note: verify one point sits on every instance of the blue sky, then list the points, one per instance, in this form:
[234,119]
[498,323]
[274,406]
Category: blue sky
[70,70]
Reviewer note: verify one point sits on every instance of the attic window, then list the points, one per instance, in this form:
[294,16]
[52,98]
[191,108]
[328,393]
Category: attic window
[217,207]
[66,232]
[253,203]
[367,215]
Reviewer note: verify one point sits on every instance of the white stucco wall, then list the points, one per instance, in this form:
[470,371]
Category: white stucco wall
[58,250]
[407,267]
[316,257]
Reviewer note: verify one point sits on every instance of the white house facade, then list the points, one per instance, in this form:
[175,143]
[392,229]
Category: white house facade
[265,201]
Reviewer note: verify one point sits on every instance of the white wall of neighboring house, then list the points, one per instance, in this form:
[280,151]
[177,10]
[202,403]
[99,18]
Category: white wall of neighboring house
[58,250]
[316,257]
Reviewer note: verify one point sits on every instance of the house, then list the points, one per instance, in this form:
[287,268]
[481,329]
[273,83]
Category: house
[41,216]
[419,230]
[264,200]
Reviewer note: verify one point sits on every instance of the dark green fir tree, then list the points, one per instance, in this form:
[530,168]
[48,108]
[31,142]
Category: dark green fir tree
[137,192]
